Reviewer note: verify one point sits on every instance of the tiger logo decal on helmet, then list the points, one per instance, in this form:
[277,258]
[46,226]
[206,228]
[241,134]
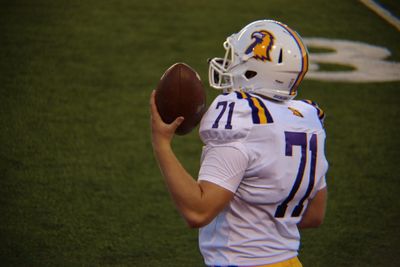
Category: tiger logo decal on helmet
[262,45]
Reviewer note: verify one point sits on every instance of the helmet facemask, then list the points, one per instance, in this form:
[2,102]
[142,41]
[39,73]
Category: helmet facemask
[219,75]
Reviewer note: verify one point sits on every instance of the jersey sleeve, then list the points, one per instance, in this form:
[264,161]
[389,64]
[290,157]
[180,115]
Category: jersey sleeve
[224,165]
[321,184]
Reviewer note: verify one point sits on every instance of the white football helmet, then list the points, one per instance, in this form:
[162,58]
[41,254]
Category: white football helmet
[265,57]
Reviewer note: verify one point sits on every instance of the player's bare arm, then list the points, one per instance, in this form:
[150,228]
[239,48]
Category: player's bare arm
[198,203]
[315,213]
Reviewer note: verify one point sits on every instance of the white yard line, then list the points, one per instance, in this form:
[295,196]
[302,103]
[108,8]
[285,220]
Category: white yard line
[383,13]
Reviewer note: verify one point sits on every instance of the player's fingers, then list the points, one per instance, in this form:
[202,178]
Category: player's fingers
[178,121]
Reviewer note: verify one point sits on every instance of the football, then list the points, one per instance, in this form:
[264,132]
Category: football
[180,92]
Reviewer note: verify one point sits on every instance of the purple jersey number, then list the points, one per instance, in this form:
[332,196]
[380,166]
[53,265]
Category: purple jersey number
[299,139]
[224,104]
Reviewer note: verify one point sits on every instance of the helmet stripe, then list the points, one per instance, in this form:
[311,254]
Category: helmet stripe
[304,61]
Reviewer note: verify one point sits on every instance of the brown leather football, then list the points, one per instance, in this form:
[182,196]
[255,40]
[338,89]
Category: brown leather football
[180,92]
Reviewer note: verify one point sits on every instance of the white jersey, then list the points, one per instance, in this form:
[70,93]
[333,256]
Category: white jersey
[283,166]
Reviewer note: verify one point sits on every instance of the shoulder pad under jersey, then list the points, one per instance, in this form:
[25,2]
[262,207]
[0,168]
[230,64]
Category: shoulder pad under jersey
[231,116]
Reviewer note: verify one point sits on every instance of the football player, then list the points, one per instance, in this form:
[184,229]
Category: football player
[262,174]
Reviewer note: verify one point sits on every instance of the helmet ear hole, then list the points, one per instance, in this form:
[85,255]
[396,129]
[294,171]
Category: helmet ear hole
[250,74]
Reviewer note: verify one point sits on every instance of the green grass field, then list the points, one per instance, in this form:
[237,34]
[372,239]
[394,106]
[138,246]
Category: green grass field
[78,182]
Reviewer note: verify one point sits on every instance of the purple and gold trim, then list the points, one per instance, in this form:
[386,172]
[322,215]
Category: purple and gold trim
[259,111]
[320,112]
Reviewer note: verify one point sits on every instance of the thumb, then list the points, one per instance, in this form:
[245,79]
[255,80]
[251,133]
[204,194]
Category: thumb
[178,121]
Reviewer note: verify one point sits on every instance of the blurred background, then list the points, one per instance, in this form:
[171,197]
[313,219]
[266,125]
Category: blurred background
[78,182]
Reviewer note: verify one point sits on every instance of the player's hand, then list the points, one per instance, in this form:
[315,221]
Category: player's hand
[162,133]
